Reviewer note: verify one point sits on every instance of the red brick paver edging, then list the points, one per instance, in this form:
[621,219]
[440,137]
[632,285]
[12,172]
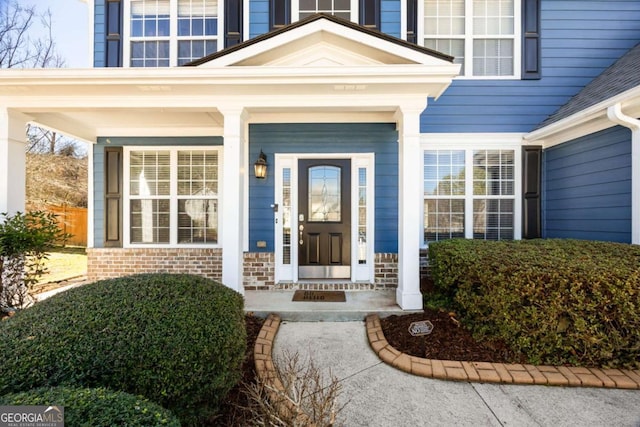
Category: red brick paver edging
[501,373]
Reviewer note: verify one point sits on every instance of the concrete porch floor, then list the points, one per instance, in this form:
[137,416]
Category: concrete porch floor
[357,306]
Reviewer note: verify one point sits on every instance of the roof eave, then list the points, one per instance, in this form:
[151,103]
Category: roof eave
[587,121]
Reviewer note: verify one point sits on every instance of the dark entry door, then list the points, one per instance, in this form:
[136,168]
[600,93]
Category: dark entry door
[324,219]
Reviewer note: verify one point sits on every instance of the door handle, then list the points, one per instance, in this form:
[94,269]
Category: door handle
[301,228]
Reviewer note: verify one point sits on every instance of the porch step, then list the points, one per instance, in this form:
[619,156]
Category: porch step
[357,306]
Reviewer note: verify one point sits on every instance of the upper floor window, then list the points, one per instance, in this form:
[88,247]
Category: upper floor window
[346,9]
[163,33]
[481,34]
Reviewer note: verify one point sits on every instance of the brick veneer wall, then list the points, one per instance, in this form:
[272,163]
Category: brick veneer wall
[259,270]
[104,263]
[425,269]
[386,270]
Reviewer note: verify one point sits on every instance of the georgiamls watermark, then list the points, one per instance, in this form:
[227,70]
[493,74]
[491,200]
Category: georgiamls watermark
[31,416]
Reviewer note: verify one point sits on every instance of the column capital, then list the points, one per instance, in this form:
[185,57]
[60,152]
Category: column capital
[234,111]
[14,122]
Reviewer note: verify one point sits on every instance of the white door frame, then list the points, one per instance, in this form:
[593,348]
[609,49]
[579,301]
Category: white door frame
[287,270]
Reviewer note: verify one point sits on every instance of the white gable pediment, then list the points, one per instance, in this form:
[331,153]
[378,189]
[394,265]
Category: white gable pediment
[323,41]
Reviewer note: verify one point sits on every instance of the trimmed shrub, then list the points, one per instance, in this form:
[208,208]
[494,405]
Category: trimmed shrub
[178,340]
[556,301]
[96,407]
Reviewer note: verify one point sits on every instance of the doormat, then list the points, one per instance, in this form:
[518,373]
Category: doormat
[319,296]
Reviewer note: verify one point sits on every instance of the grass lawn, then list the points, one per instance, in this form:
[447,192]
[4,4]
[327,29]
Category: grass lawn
[64,263]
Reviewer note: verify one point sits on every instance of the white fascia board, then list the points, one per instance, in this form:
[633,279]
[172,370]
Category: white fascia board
[471,140]
[23,84]
[585,122]
[163,131]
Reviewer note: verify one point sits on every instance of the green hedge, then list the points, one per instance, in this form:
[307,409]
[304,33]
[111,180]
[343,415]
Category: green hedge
[556,301]
[178,340]
[96,407]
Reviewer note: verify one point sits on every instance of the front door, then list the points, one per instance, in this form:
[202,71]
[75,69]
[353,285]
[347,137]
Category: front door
[324,219]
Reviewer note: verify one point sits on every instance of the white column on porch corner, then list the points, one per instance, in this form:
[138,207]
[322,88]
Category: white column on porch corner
[13,140]
[233,177]
[408,294]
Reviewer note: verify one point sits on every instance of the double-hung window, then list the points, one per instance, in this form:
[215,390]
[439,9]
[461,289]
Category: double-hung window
[172,197]
[481,35]
[197,29]
[346,9]
[469,193]
[163,33]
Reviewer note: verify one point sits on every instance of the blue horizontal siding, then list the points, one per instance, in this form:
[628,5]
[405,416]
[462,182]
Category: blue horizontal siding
[378,138]
[587,187]
[258,17]
[99,34]
[390,17]
[98,168]
[579,40]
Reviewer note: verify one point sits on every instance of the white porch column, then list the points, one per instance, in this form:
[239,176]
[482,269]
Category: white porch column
[616,115]
[13,138]
[408,294]
[233,178]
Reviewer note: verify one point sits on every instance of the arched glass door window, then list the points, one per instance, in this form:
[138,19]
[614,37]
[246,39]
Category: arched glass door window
[324,194]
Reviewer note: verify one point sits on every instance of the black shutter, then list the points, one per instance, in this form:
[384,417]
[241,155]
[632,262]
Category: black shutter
[370,13]
[113,197]
[279,13]
[531,40]
[412,21]
[531,192]
[113,50]
[232,22]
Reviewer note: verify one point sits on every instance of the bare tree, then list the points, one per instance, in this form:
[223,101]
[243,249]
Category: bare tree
[18,47]
[44,141]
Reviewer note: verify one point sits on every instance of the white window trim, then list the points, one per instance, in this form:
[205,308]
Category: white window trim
[173,197]
[173,33]
[468,41]
[482,141]
[359,272]
[295,11]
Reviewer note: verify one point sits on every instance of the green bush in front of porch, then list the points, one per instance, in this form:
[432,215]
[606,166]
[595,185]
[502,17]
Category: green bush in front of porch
[96,407]
[178,340]
[556,301]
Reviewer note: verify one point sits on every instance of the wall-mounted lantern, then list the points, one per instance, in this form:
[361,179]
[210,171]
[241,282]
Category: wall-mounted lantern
[260,166]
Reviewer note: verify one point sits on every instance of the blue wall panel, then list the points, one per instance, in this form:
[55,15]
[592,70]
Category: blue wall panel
[99,34]
[379,138]
[390,17]
[98,168]
[579,40]
[258,17]
[587,187]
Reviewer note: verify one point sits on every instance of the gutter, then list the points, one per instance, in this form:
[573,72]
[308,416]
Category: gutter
[615,114]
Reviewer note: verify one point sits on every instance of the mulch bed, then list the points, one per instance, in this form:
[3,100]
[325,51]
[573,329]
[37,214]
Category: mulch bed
[449,340]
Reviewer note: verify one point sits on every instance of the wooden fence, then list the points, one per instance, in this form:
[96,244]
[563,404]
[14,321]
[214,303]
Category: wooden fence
[72,220]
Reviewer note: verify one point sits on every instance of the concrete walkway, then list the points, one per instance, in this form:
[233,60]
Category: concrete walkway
[380,395]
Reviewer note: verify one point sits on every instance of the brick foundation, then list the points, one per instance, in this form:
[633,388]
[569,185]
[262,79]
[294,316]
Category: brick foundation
[386,271]
[258,267]
[105,263]
[425,269]
[259,271]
